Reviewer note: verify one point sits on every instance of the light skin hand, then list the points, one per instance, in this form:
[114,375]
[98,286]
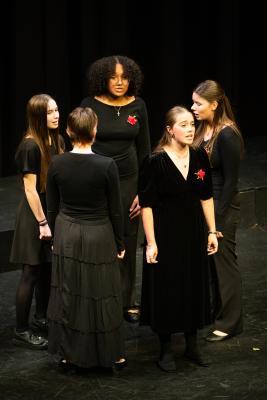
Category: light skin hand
[135,208]
[219,234]
[212,247]
[151,253]
[121,254]
[45,232]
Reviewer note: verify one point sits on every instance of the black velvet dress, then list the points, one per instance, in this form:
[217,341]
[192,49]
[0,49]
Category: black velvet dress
[175,292]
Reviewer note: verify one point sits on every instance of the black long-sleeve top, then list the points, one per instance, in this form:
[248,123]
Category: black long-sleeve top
[85,187]
[225,162]
[124,137]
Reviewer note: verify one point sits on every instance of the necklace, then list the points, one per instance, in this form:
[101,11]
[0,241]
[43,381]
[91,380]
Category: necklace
[183,161]
[118,110]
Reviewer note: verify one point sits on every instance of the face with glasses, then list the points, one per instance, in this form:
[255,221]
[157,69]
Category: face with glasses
[117,83]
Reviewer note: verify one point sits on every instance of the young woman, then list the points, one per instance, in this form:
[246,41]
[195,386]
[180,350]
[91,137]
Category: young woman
[84,212]
[219,134]
[178,217]
[123,134]
[31,246]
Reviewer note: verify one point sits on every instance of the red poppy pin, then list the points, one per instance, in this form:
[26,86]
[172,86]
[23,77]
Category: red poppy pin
[200,174]
[131,119]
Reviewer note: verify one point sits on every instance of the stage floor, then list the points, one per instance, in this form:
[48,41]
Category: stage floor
[238,369]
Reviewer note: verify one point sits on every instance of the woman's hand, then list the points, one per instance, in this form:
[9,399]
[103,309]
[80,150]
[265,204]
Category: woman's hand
[45,232]
[219,234]
[151,253]
[212,247]
[135,208]
[121,254]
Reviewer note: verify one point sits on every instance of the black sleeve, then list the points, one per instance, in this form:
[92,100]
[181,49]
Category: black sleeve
[52,197]
[142,140]
[147,190]
[28,157]
[206,183]
[114,204]
[229,148]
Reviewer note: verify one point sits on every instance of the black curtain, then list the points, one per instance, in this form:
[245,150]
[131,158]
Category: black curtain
[47,46]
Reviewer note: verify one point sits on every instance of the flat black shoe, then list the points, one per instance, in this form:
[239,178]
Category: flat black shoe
[30,340]
[118,366]
[39,325]
[167,363]
[216,338]
[66,366]
[196,358]
[131,317]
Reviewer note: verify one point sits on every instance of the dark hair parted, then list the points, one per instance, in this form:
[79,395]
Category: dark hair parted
[102,70]
[81,123]
[38,130]
[170,119]
[223,115]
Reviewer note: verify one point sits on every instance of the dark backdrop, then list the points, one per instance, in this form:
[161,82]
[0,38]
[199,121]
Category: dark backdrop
[48,45]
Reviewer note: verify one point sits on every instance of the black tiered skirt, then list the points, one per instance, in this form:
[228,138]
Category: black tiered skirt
[85,306]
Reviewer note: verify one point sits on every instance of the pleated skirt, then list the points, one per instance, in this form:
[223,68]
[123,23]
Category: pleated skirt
[85,306]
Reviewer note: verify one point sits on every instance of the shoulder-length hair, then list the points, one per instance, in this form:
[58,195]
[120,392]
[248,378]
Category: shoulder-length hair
[102,70]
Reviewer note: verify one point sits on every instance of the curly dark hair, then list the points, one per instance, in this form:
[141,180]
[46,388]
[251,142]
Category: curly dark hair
[101,71]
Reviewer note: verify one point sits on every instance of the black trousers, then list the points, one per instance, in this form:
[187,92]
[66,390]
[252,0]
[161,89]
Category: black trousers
[128,264]
[226,277]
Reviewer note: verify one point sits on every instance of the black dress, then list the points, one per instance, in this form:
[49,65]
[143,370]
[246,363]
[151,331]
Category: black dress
[27,248]
[123,134]
[85,306]
[175,292]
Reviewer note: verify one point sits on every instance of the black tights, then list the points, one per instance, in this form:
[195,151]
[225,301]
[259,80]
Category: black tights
[33,277]
[190,339]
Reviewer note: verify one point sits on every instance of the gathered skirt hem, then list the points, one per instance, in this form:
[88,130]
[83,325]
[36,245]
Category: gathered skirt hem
[86,350]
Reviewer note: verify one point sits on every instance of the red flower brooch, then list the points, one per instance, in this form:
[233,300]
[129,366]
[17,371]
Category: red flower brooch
[131,119]
[200,174]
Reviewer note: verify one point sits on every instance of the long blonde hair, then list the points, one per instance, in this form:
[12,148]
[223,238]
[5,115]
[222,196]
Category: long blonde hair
[223,115]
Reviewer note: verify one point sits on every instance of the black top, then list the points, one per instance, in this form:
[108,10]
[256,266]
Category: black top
[125,138]
[85,187]
[28,159]
[225,163]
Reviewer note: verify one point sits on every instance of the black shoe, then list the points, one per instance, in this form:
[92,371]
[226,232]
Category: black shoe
[39,325]
[66,366]
[131,317]
[30,340]
[118,366]
[216,338]
[167,363]
[196,357]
